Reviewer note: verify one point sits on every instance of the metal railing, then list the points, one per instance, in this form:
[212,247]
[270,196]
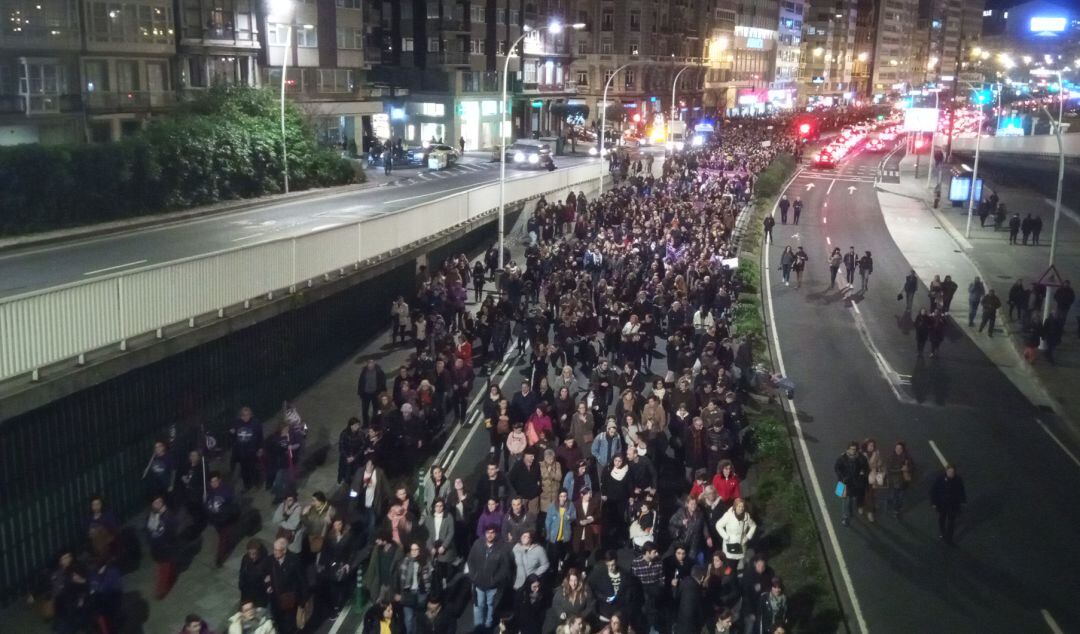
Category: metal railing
[56,324]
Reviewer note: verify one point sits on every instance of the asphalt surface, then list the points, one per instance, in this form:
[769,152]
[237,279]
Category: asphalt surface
[37,268]
[852,357]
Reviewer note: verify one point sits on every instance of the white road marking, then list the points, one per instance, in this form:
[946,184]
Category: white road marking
[851,190]
[789,405]
[248,237]
[824,220]
[1054,437]
[828,241]
[891,376]
[340,620]
[937,452]
[1051,623]
[113,268]
[829,190]
[809,186]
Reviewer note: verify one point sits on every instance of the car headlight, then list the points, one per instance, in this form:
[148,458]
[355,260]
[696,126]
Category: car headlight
[593,151]
[534,159]
[519,157]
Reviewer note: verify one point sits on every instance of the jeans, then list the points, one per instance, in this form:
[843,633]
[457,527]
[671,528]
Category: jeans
[910,297]
[785,273]
[849,275]
[865,276]
[973,310]
[847,505]
[896,500]
[988,318]
[947,524]
[484,607]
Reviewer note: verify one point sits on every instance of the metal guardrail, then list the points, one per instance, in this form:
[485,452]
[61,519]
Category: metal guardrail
[61,323]
[1040,145]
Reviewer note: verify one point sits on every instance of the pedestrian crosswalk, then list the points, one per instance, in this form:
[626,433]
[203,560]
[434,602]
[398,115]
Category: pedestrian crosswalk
[426,175]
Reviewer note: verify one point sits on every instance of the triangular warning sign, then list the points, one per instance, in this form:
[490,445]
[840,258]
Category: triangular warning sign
[1050,278]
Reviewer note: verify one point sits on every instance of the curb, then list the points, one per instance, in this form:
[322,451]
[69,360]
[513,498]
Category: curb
[112,227]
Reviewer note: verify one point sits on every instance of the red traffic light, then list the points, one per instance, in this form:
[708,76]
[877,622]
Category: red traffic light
[804,129]
[637,117]
[919,143]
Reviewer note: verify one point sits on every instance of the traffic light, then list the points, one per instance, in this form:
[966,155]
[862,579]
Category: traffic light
[804,129]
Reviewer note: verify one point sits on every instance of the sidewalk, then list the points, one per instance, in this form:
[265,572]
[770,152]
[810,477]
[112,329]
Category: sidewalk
[933,242]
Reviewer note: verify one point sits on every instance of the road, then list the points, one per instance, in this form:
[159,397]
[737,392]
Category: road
[31,269]
[853,359]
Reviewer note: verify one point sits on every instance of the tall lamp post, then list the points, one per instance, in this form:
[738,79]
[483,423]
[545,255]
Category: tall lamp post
[283,9]
[674,107]
[553,27]
[603,123]
[1061,176]
[974,170]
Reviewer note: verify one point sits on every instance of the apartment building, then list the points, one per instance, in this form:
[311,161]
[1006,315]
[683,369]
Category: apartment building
[651,42]
[828,53]
[892,57]
[218,41]
[947,31]
[789,45]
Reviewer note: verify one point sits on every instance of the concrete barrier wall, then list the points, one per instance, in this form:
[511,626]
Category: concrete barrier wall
[52,325]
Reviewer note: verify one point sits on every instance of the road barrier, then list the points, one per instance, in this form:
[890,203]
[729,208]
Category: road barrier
[63,323]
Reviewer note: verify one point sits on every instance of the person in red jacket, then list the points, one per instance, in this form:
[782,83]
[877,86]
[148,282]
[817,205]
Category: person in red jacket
[726,482]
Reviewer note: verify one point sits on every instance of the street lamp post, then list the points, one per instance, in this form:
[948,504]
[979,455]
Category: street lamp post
[603,124]
[674,108]
[1061,179]
[975,169]
[556,28]
[283,8]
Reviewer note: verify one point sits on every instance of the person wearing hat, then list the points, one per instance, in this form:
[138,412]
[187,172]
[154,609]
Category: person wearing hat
[607,445]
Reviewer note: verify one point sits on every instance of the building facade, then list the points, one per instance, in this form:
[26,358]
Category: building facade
[828,54]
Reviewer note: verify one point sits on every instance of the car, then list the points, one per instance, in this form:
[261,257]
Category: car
[824,159]
[418,156]
[875,145]
[527,153]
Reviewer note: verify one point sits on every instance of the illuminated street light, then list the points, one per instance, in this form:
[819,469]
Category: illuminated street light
[862,57]
[818,51]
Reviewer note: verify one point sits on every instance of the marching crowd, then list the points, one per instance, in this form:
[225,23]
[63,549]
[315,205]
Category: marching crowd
[610,500]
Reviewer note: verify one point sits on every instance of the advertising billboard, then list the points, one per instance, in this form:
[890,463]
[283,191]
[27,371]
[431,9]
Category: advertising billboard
[920,119]
[1048,24]
[960,189]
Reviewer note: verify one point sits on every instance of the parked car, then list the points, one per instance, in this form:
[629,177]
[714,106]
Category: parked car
[526,153]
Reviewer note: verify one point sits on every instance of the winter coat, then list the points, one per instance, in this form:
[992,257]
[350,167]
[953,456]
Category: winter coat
[736,530]
[529,560]
[550,482]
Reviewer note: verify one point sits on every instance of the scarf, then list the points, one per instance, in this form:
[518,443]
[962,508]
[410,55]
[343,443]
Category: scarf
[618,473]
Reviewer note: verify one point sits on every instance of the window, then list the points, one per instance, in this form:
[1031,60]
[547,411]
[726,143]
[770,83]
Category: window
[473,46]
[477,13]
[500,16]
[432,10]
[96,73]
[608,74]
[144,23]
[350,37]
[431,109]
[583,17]
[349,4]
[583,46]
[406,44]
[635,20]
[606,48]
[41,84]
[633,48]
[607,20]
[583,78]
[515,16]
[529,72]
[222,70]
[433,45]
[307,37]
[629,78]
[336,80]
[37,19]
[481,47]
[127,75]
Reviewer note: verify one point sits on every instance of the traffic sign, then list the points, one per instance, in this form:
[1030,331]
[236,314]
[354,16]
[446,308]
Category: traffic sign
[1050,278]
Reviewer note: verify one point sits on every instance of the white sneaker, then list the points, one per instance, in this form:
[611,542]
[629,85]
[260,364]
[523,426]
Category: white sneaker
[787,283]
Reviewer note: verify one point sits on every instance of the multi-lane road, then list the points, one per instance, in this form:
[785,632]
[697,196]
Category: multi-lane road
[24,270]
[852,356]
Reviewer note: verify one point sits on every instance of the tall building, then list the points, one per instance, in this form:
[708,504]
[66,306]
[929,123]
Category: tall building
[655,40]
[789,44]
[947,31]
[891,52]
[720,88]
[828,54]
[218,41]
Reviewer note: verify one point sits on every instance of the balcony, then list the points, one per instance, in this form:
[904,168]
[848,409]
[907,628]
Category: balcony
[454,25]
[471,82]
[451,58]
[130,101]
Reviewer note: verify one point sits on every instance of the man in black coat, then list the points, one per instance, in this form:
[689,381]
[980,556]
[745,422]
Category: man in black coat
[947,497]
[255,575]
[626,600]
[491,568]
[372,381]
[852,471]
[288,588]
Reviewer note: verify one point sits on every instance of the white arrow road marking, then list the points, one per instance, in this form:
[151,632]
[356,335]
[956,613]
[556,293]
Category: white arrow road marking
[851,190]
[809,186]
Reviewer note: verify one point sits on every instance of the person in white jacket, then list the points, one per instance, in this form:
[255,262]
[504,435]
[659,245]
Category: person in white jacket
[736,528]
[251,620]
[529,559]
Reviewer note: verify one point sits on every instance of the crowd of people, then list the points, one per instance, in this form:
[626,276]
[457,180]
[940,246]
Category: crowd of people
[610,499]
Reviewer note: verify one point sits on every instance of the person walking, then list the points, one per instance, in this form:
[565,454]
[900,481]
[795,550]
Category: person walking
[1064,298]
[852,475]
[371,383]
[835,260]
[948,290]
[899,473]
[796,208]
[948,497]
[922,330]
[866,267]
[851,261]
[784,205]
[461,145]
[491,569]
[799,265]
[1036,229]
[911,284]
[388,158]
[1026,226]
[769,223]
[1052,331]
[1014,228]
[990,306]
[937,332]
[787,260]
[976,291]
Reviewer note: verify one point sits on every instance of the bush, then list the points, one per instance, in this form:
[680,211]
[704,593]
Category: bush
[224,145]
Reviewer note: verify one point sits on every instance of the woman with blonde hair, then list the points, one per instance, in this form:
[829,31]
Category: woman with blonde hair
[573,600]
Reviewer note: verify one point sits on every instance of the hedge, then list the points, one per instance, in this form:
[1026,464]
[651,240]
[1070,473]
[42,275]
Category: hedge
[224,145]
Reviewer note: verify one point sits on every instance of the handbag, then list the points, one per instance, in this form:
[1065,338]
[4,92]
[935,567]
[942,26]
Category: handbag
[304,612]
[877,479]
[734,549]
[841,490]
[315,543]
[899,296]
[503,426]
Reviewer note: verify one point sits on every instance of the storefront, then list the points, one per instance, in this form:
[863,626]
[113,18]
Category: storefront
[478,123]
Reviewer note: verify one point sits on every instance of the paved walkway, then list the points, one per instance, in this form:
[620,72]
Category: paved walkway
[934,242]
